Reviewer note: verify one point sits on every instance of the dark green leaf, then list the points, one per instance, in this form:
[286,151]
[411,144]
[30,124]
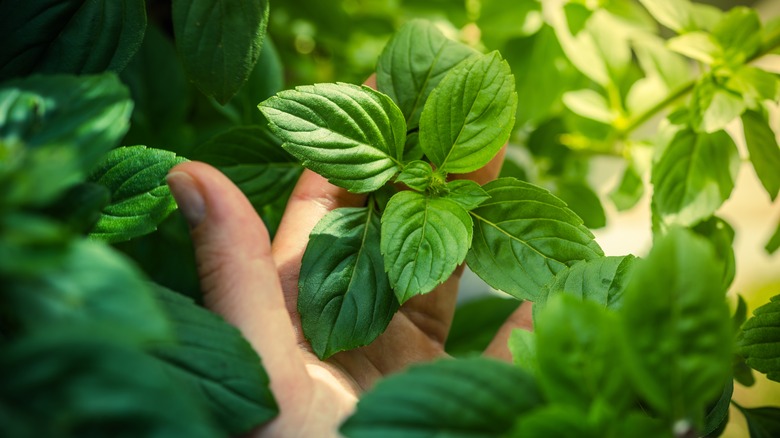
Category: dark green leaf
[267,79]
[140,198]
[419,176]
[554,421]
[674,14]
[424,239]
[354,136]
[217,364]
[30,244]
[742,372]
[764,151]
[762,422]
[219,42]
[69,384]
[739,33]
[467,193]
[79,208]
[466,398]
[579,356]
[476,322]
[759,342]
[53,129]
[677,329]
[718,414]
[630,190]
[774,242]
[254,160]
[602,281]
[583,201]
[695,174]
[413,63]
[523,236]
[721,236]
[498,23]
[80,37]
[469,115]
[344,299]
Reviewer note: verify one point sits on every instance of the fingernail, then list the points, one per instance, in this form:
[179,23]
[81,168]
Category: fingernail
[187,196]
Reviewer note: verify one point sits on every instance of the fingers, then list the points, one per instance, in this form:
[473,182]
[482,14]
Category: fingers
[237,273]
[520,318]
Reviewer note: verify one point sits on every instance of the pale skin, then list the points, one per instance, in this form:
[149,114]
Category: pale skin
[253,283]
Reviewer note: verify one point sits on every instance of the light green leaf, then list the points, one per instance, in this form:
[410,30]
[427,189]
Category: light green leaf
[721,236]
[739,33]
[589,104]
[468,117]
[522,345]
[706,16]
[764,151]
[419,176]
[467,193]
[600,280]
[423,240]
[467,398]
[630,190]
[713,106]
[254,160]
[579,355]
[677,328]
[79,37]
[523,236]
[53,129]
[214,361]
[701,46]
[344,296]
[694,176]
[762,422]
[774,242]
[476,322]
[674,14]
[759,342]
[354,136]
[657,60]
[219,42]
[583,201]
[140,198]
[413,63]
[755,85]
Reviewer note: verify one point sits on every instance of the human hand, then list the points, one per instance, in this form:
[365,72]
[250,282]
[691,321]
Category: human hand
[253,284]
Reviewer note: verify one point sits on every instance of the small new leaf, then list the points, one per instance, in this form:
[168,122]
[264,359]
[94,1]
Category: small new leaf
[764,151]
[424,238]
[759,342]
[417,175]
[467,193]
[344,299]
[352,135]
[469,115]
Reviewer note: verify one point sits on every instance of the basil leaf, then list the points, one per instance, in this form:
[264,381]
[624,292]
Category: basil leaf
[677,329]
[468,194]
[414,61]
[469,115]
[721,236]
[674,14]
[467,398]
[695,174]
[774,242]
[80,37]
[217,365]
[714,106]
[54,129]
[762,422]
[589,104]
[754,85]
[602,281]
[523,236]
[764,151]
[759,341]
[629,191]
[475,324]
[254,160]
[522,345]
[424,239]
[79,207]
[31,243]
[739,32]
[698,45]
[718,415]
[344,299]
[140,198]
[498,23]
[418,175]
[266,79]
[354,136]
[579,197]
[219,42]
[554,421]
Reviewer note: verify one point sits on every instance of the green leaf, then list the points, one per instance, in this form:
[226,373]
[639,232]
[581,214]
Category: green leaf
[476,322]
[762,422]
[413,63]
[219,42]
[554,421]
[721,236]
[522,345]
[677,329]
[674,14]
[657,60]
[579,197]
[79,207]
[693,177]
[254,160]
[140,198]
[629,191]
[419,175]
[267,79]
[602,281]
[523,236]
[701,46]
[79,37]
[53,129]
[589,104]
[754,85]
[579,356]
[69,383]
[739,33]
[774,242]
[466,193]
[354,136]
[424,239]
[218,366]
[344,296]
[467,398]
[718,414]
[31,243]
[764,151]
[499,23]
[468,117]
[759,342]
[713,106]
